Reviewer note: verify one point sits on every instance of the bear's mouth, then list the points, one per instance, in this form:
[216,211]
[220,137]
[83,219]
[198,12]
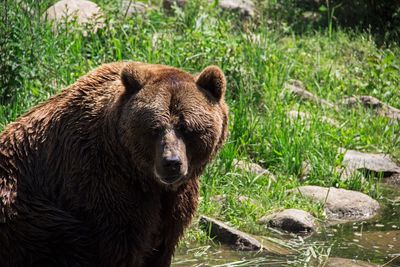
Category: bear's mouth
[169,179]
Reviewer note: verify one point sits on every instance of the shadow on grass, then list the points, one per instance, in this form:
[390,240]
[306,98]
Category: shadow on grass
[380,18]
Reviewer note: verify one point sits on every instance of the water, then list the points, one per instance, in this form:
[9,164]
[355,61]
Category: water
[224,256]
[376,241]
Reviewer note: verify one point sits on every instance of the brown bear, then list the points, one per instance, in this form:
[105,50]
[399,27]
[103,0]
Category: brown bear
[106,173]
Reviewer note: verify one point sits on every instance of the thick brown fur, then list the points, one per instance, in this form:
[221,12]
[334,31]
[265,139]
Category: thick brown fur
[77,179]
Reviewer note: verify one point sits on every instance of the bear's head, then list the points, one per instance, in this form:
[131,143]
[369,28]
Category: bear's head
[172,123]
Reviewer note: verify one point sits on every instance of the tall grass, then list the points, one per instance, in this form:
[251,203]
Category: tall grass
[258,58]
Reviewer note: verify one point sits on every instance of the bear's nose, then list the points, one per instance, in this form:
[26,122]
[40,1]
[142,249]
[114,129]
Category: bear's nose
[172,163]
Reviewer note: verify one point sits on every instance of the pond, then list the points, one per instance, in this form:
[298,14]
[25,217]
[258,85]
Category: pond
[376,241]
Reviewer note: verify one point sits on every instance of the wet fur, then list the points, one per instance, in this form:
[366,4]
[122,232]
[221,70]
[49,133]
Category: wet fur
[73,193]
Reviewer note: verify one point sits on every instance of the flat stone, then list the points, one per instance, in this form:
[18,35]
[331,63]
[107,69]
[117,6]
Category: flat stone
[297,89]
[130,8]
[85,12]
[371,102]
[253,168]
[367,101]
[291,220]
[228,235]
[244,7]
[358,161]
[306,117]
[335,262]
[341,205]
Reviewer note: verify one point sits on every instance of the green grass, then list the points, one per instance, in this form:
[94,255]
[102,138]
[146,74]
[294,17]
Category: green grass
[258,58]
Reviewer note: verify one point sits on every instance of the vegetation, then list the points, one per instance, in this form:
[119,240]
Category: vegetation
[382,18]
[258,57]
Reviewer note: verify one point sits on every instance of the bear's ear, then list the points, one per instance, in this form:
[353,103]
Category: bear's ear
[212,79]
[133,77]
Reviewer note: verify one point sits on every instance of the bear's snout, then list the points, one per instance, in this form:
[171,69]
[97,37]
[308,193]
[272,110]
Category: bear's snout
[171,160]
[172,163]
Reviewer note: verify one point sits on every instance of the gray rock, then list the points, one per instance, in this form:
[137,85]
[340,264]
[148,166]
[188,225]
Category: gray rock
[228,235]
[130,8]
[377,163]
[252,168]
[168,4]
[341,204]
[297,89]
[85,12]
[305,116]
[244,7]
[393,180]
[335,262]
[381,108]
[367,101]
[291,220]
